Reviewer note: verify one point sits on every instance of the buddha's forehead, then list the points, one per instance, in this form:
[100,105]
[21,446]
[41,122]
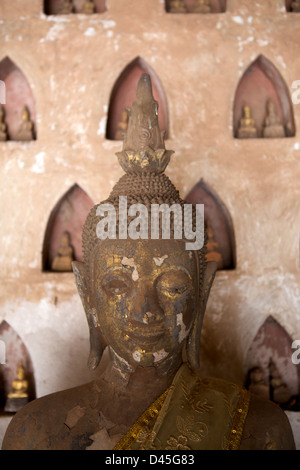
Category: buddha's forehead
[148,254]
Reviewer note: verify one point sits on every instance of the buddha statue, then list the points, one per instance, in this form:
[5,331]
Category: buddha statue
[247,126]
[177,6]
[3,127]
[144,298]
[213,253]
[202,6]
[279,392]
[295,6]
[122,125]
[66,7]
[25,132]
[65,255]
[88,8]
[272,126]
[18,397]
[257,383]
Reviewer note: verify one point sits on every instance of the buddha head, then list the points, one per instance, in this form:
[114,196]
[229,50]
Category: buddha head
[271,109]
[144,296]
[20,371]
[247,112]
[256,375]
[25,114]
[65,239]
[124,117]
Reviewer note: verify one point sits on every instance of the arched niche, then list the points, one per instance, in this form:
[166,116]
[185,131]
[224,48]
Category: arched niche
[68,215]
[124,93]
[262,82]
[190,6]
[15,351]
[292,6]
[272,344]
[18,95]
[54,7]
[221,240]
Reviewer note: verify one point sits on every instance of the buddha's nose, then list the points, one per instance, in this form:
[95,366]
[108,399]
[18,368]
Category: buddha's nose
[146,308]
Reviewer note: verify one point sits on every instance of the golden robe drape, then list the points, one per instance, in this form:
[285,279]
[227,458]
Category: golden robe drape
[192,414]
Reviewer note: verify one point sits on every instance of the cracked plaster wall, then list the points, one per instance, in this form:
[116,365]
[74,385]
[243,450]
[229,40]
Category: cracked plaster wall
[71,63]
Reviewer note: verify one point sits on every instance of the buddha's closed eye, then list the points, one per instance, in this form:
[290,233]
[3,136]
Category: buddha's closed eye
[115,286]
[169,284]
[174,283]
[176,290]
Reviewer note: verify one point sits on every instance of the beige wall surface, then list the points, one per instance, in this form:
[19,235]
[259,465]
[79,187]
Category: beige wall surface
[72,63]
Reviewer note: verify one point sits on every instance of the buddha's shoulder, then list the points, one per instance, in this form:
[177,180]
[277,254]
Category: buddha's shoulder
[266,426]
[47,422]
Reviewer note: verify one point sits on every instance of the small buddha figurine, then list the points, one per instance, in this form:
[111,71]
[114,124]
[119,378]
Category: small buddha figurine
[273,126]
[3,127]
[247,126]
[18,397]
[279,390]
[122,126]
[257,382]
[202,6]
[25,132]
[295,6]
[66,7]
[88,8]
[65,255]
[144,299]
[177,6]
[213,253]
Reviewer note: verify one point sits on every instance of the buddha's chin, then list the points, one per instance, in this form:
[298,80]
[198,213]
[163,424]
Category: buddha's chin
[143,356]
[138,358]
[146,352]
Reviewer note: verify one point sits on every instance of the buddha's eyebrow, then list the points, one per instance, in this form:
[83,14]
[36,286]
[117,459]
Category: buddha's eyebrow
[179,268]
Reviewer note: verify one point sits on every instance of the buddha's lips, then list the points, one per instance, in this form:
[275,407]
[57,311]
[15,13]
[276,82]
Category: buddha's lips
[142,336]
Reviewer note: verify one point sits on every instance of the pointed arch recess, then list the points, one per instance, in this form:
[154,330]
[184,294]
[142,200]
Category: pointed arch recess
[262,81]
[52,7]
[16,351]
[273,342]
[289,8]
[68,215]
[217,6]
[288,4]
[219,220]
[124,93]
[18,95]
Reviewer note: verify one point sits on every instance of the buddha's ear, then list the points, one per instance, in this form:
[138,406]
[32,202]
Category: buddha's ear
[96,348]
[193,343]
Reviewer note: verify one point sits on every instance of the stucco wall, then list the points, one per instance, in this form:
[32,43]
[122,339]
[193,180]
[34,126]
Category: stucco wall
[72,63]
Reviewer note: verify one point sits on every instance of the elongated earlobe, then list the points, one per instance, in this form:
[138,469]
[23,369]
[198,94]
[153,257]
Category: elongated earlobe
[96,348]
[193,343]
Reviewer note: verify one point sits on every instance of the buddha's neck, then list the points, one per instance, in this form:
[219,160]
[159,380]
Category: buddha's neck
[124,395]
[118,375]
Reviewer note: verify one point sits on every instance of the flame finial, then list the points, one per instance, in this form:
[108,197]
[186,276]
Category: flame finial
[143,147]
